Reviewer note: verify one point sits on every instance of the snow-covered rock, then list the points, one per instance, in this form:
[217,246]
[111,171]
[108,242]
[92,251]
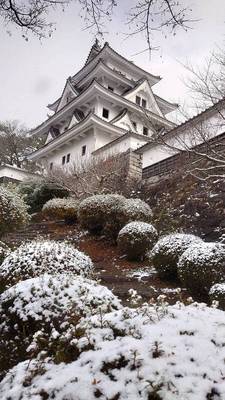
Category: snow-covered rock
[45,256]
[146,353]
[201,266]
[166,252]
[136,238]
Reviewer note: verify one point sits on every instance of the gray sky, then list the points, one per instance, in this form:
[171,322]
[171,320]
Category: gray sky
[33,74]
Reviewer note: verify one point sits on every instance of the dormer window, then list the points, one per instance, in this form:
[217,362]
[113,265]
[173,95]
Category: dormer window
[145,131]
[111,88]
[105,113]
[138,100]
[143,103]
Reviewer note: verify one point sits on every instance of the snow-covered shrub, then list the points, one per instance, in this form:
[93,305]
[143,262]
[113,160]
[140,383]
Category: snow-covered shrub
[217,293]
[4,251]
[65,208]
[37,192]
[135,355]
[97,213]
[134,210]
[45,256]
[13,210]
[109,213]
[41,314]
[166,252]
[202,265]
[135,239]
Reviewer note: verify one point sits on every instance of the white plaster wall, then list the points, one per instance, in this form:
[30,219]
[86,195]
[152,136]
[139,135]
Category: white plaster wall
[145,93]
[102,138]
[100,104]
[186,138]
[121,147]
[75,150]
[126,123]
[15,174]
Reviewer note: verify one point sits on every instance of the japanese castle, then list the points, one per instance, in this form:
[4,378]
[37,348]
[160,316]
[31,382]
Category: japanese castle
[107,107]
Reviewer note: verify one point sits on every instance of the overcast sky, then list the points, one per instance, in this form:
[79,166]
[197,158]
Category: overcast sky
[33,74]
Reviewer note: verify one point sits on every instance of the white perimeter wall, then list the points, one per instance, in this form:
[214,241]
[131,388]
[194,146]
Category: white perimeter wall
[189,137]
[7,172]
[120,147]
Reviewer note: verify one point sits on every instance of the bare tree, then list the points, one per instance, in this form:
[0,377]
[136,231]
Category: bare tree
[146,16]
[15,144]
[98,176]
[165,16]
[198,144]
[207,83]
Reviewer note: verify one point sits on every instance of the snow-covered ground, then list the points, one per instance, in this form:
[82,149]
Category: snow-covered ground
[174,352]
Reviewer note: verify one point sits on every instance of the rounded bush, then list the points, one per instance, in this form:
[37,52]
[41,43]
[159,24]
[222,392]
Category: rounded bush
[136,238]
[37,257]
[98,213]
[109,213]
[135,210]
[4,251]
[169,353]
[201,266]
[65,208]
[13,210]
[217,293]
[42,314]
[166,252]
[37,192]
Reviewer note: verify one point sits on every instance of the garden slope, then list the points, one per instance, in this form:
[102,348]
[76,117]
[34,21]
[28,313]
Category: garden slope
[114,271]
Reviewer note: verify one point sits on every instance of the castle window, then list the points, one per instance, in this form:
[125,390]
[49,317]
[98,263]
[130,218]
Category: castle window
[51,166]
[143,103]
[134,124]
[138,100]
[63,160]
[145,131]
[111,88]
[83,151]
[68,158]
[105,113]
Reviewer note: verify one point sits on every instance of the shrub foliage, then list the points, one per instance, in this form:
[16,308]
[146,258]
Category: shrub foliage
[217,293]
[65,209]
[109,213]
[37,193]
[165,254]
[13,210]
[135,239]
[41,314]
[38,257]
[201,266]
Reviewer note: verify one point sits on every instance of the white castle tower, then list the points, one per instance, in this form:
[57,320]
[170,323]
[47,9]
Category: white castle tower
[106,107]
